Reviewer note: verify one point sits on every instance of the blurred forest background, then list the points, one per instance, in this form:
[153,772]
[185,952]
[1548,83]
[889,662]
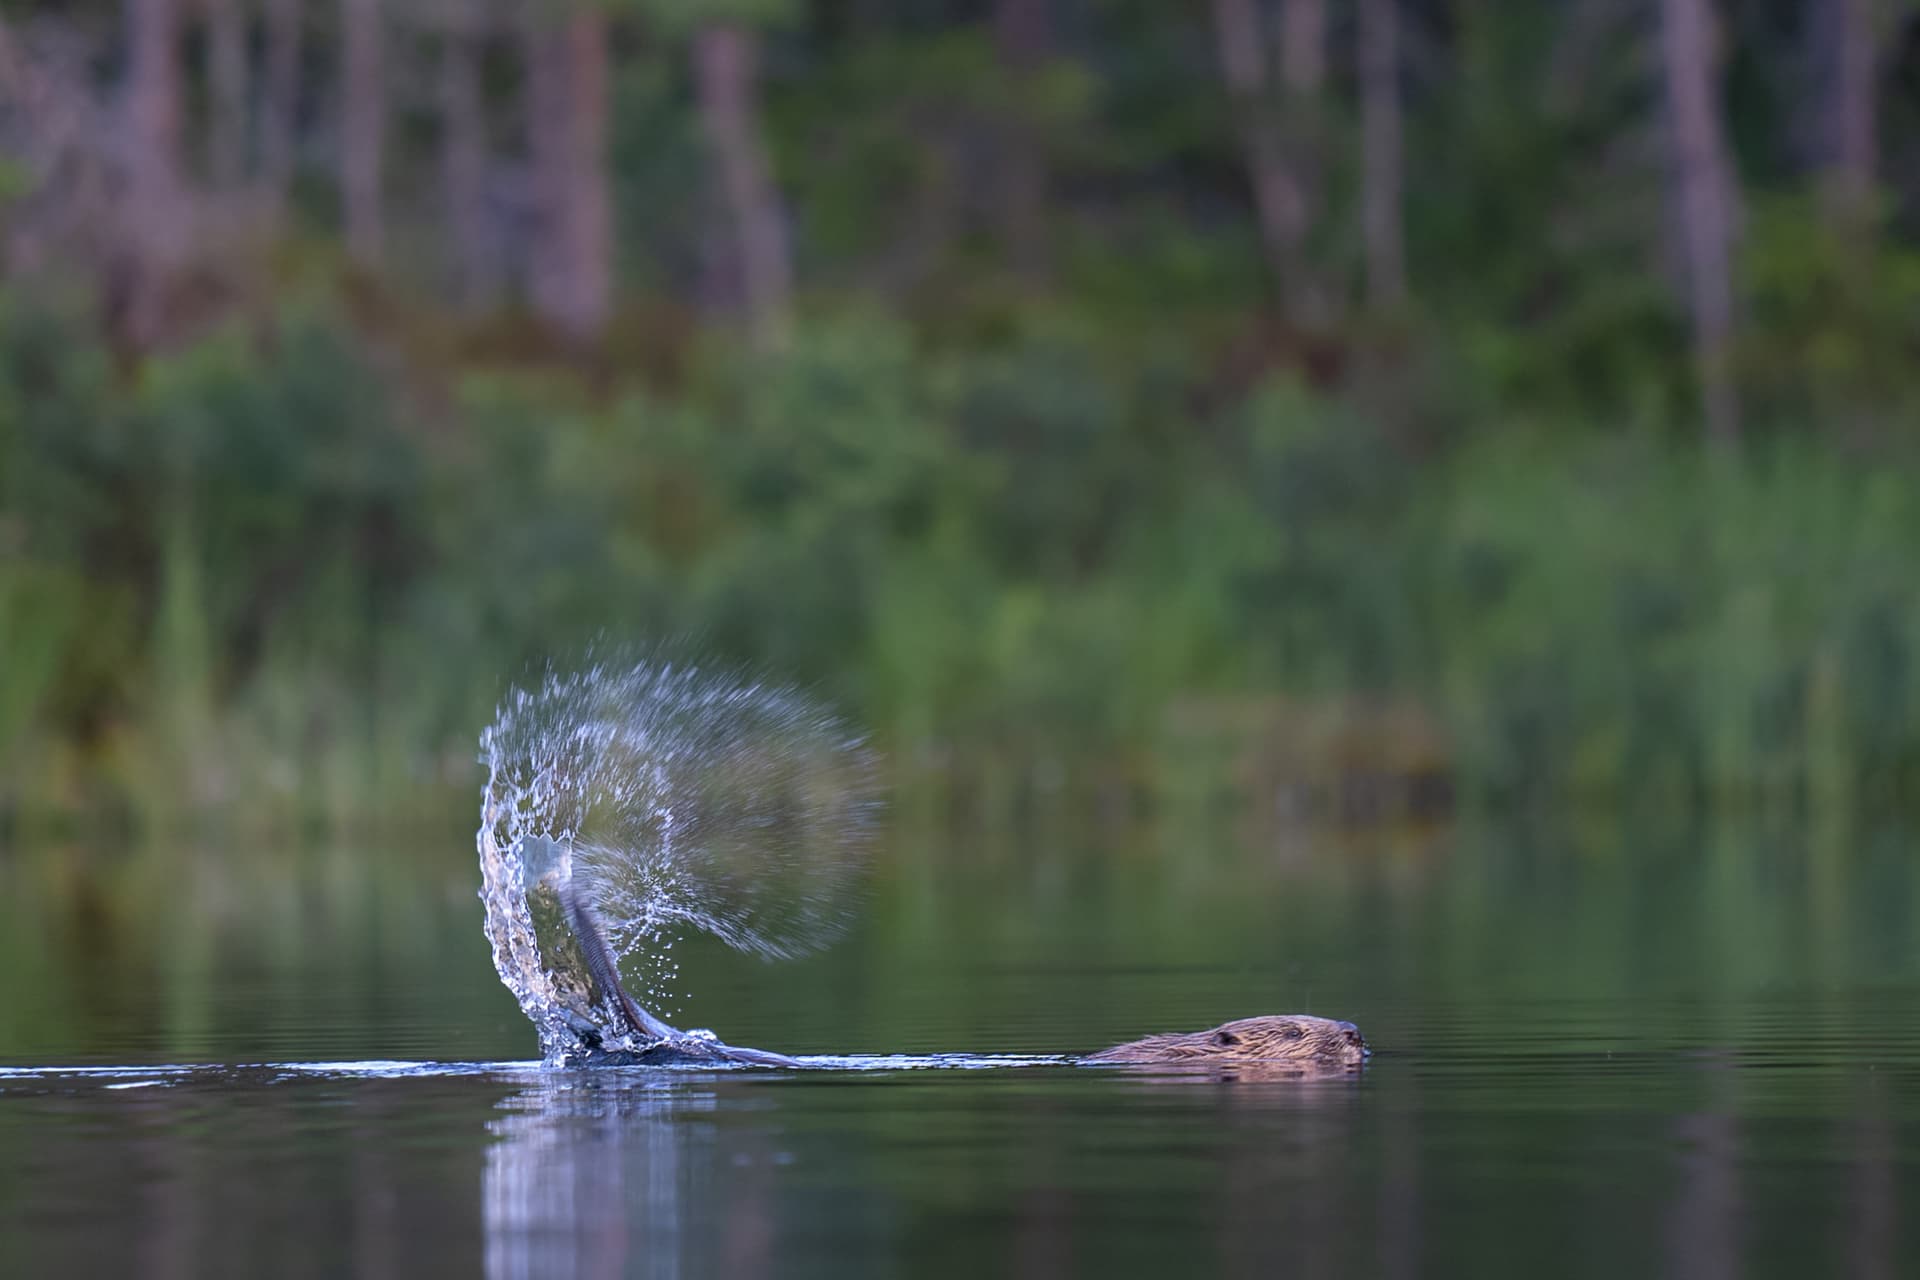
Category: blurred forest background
[1353,402]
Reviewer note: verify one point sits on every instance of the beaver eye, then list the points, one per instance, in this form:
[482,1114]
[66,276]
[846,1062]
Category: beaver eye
[1295,1033]
[1224,1038]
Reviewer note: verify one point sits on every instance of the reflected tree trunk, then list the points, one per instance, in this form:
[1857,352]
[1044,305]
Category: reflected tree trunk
[572,264]
[1705,1209]
[1703,176]
[1381,161]
[227,92]
[463,156]
[280,95]
[1399,1222]
[363,125]
[1023,36]
[725,56]
[1874,1231]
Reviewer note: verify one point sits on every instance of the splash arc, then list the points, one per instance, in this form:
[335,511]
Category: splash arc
[627,803]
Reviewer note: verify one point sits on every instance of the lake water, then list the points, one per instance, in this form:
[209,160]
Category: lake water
[1602,1048]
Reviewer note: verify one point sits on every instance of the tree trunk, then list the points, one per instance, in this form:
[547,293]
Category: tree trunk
[1703,176]
[1303,48]
[227,92]
[1278,200]
[280,95]
[1848,159]
[363,127]
[572,264]
[724,58]
[463,158]
[153,81]
[1023,36]
[1303,76]
[1381,154]
[155,235]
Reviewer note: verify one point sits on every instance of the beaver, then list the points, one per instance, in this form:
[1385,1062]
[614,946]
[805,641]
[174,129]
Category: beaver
[1272,1046]
[1295,1043]
[1269,1046]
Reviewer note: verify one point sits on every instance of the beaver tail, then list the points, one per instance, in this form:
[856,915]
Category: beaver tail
[606,974]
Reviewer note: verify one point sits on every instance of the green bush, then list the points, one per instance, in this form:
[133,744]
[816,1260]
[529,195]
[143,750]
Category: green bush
[266,577]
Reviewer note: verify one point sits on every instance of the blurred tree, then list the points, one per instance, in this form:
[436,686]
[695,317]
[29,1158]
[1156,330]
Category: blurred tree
[1279,195]
[1847,39]
[363,126]
[1303,74]
[280,94]
[154,238]
[725,71]
[464,155]
[572,256]
[1704,183]
[1381,162]
[1303,45]
[1023,37]
[226,27]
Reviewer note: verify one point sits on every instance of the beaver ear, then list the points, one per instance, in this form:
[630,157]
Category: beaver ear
[1224,1037]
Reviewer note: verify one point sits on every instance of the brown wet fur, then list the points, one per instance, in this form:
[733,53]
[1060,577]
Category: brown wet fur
[1279,1044]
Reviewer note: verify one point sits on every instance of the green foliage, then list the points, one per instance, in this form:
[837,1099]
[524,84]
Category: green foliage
[1830,336]
[1625,617]
[264,574]
[1040,471]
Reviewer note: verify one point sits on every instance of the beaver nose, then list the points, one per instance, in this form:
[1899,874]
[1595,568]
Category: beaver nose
[1351,1034]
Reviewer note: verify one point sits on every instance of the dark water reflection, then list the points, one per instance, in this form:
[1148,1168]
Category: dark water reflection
[1599,1053]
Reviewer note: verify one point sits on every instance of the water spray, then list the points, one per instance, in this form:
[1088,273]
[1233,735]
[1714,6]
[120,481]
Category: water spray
[628,802]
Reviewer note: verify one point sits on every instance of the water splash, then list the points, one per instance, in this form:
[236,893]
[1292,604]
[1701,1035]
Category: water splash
[630,802]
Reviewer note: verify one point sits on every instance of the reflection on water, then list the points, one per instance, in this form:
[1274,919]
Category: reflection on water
[745,1177]
[628,1159]
[1679,1165]
[1626,1053]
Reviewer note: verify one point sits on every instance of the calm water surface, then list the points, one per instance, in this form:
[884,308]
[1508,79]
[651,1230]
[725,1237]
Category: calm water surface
[1600,1050]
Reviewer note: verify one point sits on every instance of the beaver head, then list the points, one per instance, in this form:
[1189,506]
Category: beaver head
[1297,1042]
